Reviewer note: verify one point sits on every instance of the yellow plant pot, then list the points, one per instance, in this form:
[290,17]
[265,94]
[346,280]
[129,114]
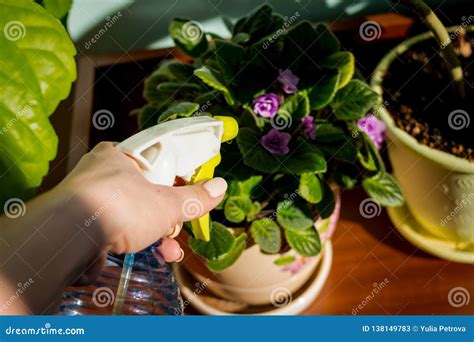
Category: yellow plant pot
[438,187]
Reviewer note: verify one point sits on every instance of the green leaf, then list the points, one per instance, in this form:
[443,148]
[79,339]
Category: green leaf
[220,243]
[148,116]
[305,242]
[346,177]
[228,23]
[267,235]
[305,45]
[354,101]
[326,42]
[241,38]
[344,62]
[188,36]
[294,215]
[293,109]
[236,208]
[310,188]
[344,149]
[228,259]
[58,8]
[323,92]
[327,132]
[303,156]
[244,187]
[256,208]
[180,109]
[384,189]
[229,56]
[368,154]
[328,203]
[213,80]
[260,23]
[37,70]
[284,260]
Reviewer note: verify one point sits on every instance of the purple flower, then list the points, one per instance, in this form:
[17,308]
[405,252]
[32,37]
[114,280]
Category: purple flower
[276,142]
[309,127]
[374,128]
[266,105]
[288,81]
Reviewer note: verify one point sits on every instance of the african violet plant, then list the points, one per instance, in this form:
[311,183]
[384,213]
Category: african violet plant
[303,128]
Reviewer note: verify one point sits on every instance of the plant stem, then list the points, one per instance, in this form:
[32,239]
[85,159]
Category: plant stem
[431,20]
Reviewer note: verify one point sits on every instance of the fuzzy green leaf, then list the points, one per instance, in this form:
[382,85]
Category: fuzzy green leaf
[305,241]
[294,215]
[284,260]
[344,62]
[220,243]
[213,80]
[354,101]
[267,235]
[323,92]
[328,203]
[292,110]
[228,259]
[310,188]
[384,189]
[188,36]
[180,109]
[236,208]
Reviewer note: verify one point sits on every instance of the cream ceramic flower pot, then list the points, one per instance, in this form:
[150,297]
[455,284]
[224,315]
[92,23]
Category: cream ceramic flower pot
[255,279]
[438,187]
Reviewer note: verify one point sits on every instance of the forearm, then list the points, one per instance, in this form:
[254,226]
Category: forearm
[44,251]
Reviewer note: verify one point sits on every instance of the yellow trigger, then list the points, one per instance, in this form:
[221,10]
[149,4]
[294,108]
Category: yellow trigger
[200,226]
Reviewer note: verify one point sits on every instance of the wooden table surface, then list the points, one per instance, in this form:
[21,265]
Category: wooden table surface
[368,252]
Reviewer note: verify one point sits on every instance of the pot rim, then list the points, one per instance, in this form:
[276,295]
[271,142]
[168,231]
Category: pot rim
[442,158]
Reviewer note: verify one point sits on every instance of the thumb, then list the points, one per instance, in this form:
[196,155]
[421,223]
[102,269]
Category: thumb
[193,201]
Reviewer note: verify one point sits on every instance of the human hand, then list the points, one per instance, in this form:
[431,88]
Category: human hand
[130,212]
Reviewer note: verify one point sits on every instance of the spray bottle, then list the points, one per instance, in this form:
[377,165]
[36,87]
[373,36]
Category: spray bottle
[188,148]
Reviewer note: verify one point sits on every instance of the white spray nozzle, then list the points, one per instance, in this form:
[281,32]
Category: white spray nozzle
[174,148]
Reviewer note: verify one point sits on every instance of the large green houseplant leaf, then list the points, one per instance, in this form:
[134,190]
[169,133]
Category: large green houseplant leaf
[37,69]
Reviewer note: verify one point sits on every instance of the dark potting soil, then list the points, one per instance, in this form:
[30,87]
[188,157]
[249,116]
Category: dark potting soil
[422,102]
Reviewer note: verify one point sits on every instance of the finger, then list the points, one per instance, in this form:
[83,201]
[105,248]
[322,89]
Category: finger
[174,232]
[170,250]
[190,202]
